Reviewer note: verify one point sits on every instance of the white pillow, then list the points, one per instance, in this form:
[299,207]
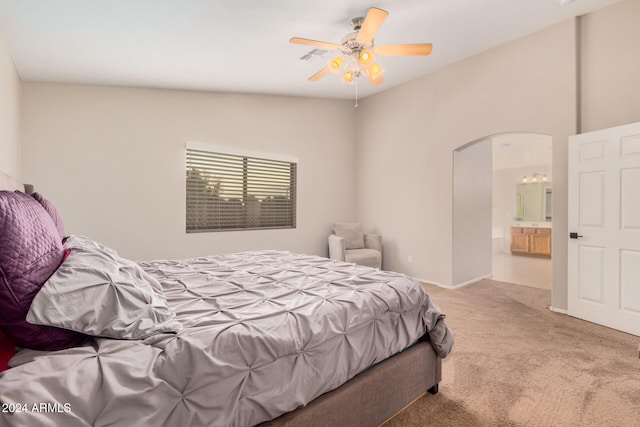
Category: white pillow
[98,293]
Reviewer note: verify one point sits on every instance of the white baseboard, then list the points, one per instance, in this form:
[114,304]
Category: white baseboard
[468,282]
[460,285]
[559,310]
[431,282]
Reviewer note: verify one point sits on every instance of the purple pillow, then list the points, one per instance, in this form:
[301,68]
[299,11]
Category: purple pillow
[31,251]
[52,211]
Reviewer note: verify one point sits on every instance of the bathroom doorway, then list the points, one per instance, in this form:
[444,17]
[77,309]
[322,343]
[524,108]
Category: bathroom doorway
[522,189]
[499,183]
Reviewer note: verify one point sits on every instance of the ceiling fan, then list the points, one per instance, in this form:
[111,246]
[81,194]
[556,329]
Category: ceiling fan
[358,52]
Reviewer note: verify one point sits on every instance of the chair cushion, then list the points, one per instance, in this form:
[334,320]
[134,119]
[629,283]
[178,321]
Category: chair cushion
[367,257]
[351,233]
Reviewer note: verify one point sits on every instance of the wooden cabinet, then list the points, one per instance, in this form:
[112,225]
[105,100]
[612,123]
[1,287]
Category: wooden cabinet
[519,241]
[531,241]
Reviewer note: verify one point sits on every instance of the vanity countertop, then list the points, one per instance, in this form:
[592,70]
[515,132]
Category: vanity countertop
[532,224]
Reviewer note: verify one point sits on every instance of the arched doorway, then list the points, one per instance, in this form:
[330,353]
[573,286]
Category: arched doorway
[497,179]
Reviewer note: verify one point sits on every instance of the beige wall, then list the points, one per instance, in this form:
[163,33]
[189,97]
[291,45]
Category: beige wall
[113,162]
[472,171]
[610,66]
[529,85]
[407,136]
[9,114]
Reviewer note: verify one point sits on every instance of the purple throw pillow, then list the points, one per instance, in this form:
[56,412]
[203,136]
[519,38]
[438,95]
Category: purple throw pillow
[52,211]
[31,250]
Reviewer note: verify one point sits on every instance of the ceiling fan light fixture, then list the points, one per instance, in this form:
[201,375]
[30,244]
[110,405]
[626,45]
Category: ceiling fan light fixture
[375,71]
[347,77]
[356,52]
[335,64]
[366,58]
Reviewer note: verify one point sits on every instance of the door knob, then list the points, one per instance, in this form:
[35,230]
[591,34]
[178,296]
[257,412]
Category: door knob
[574,235]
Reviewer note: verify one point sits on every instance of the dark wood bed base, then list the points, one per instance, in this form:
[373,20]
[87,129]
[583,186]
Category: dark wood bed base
[375,395]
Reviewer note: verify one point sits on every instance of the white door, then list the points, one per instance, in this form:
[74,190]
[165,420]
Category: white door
[604,212]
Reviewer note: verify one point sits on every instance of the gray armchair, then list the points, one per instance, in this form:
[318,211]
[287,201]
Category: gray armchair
[349,243]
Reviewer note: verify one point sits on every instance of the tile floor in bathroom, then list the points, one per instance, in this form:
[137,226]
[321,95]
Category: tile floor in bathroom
[522,270]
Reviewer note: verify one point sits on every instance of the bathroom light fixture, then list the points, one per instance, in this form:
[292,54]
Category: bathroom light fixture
[535,177]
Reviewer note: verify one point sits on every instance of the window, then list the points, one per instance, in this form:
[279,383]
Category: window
[238,192]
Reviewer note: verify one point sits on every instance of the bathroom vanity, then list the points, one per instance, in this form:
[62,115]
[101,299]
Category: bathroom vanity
[531,240]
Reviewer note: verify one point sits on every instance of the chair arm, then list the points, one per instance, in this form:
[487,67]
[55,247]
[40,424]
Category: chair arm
[336,247]
[373,241]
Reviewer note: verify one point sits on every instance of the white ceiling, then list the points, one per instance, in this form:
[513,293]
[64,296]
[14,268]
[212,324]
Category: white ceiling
[242,45]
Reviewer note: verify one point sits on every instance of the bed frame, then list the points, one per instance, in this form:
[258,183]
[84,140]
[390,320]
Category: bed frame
[368,399]
[375,395]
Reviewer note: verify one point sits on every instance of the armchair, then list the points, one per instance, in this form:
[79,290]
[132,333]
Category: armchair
[349,243]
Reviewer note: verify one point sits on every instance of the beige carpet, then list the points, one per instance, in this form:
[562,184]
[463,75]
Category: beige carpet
[515,363]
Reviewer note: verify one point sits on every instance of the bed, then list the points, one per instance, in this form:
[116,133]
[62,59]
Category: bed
[259,337]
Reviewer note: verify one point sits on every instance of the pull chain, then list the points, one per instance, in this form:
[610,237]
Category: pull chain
[356,106]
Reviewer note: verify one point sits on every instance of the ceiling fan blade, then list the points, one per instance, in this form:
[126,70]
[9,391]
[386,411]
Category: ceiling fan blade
[320,74]
[377,80]
[373,21]
[422,49]
[309,42]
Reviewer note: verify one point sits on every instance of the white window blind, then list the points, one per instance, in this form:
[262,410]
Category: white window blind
[237,192]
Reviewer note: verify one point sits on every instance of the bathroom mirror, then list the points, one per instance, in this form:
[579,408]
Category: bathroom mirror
[533,202]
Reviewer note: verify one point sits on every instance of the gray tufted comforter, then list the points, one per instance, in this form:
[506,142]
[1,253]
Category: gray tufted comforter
[263,333]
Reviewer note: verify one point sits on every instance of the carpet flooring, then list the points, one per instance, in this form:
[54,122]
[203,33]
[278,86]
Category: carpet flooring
[516,363]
